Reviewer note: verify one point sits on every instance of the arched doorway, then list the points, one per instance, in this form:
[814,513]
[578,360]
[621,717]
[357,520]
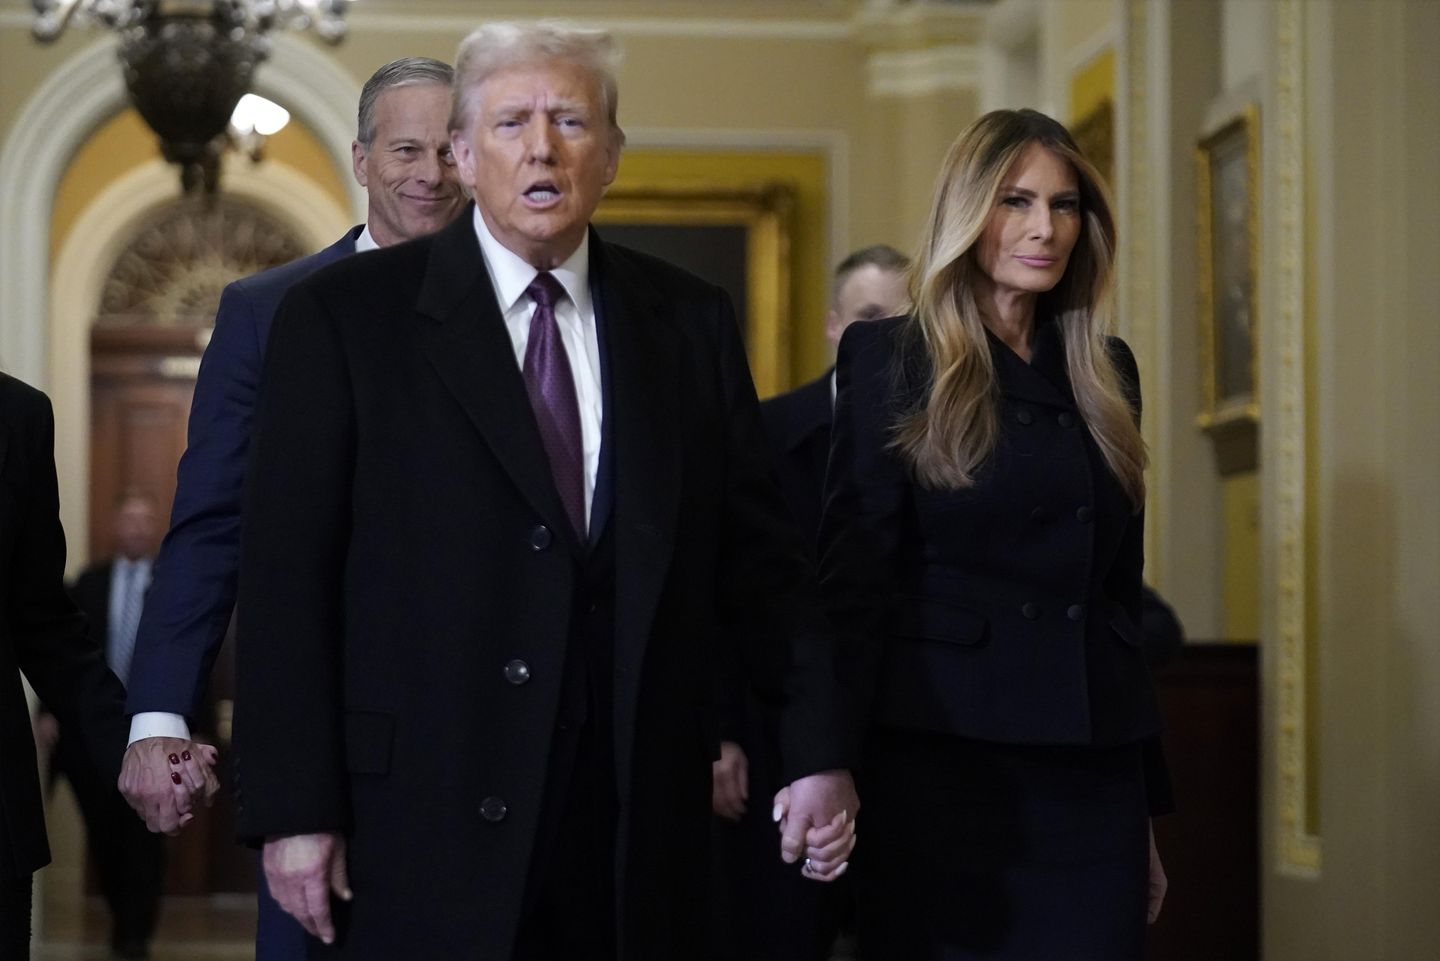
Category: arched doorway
[151,326]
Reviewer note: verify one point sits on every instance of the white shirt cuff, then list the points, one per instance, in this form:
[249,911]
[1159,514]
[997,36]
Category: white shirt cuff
[158,724]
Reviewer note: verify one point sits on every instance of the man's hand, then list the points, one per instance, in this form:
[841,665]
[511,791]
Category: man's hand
[816,817]
[1159,883]
[302,871]
[730,782]
[47,731]
[161,776]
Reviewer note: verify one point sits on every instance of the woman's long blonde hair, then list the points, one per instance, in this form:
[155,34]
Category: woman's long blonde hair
[947,436]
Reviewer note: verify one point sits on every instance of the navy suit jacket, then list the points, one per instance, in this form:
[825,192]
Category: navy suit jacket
[797,425]
[192,592]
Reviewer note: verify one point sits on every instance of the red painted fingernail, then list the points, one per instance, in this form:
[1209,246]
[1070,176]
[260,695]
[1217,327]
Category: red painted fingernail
[174,759]
[186,755]
[174,777]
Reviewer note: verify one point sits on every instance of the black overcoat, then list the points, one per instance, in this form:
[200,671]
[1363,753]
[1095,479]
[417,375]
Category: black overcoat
[42,634]
[403,543]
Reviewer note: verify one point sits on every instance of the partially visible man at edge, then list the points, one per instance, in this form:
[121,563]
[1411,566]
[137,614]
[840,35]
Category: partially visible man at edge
[508,498]
[402,157]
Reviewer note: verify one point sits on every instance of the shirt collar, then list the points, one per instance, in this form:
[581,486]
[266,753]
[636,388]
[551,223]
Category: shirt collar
[366,241]
[510,273]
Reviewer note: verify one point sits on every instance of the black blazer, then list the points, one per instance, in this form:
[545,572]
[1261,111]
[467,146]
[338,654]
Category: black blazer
[41,632]
[1009,611]
[403,543]
[797,424]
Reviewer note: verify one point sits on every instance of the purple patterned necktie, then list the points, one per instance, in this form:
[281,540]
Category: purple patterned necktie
[551,387]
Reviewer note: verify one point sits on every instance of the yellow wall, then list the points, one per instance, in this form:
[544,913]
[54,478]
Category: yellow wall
[124,142]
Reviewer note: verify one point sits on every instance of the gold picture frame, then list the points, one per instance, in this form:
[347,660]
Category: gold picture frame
[765,212]
[1228,218]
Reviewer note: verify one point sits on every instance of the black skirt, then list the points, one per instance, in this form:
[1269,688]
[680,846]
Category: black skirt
[973,850]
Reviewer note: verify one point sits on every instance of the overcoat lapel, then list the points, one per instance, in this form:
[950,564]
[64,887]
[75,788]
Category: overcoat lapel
[471,351]
[643,353]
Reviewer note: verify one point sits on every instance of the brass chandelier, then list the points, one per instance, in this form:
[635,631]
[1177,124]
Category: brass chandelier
[187,63]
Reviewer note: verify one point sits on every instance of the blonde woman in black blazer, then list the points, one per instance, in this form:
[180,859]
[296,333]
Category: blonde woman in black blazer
[982,554]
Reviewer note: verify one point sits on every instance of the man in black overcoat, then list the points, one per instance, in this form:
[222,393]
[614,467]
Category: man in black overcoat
[508,500]
[43,636]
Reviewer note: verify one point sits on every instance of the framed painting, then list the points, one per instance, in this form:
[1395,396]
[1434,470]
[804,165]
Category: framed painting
[1228,162]
[738,239]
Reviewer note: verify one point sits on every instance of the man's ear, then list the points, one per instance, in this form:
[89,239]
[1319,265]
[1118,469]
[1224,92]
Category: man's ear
[833,327]
[357,162]
[464,157]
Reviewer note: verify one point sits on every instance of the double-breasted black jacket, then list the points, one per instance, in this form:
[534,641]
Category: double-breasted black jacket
[1008,611]
[42,633]
[404,550]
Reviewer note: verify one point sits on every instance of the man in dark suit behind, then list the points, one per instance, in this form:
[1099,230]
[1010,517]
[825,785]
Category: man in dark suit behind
[43,636]
[401,156]
[769,911]
[508,500]
[129,859]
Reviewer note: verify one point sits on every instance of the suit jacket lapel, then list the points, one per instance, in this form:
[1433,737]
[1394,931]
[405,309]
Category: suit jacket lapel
[469,348]
[646,453]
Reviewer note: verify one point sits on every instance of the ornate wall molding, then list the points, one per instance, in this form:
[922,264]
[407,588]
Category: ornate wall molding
[1139,58]
[78,274]
[1298,852]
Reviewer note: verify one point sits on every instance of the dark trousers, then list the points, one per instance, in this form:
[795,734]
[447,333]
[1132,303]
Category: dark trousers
[763,909]
[569,911]
[15,895]
[976,851]
[129,858]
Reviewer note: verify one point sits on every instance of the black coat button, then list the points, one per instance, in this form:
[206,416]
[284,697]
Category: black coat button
[493,809]
[1076,612]
[540,537]
[1039,515]
[1085,514]
[1030,611]
[517,672]
[1066,419]
[1025,416]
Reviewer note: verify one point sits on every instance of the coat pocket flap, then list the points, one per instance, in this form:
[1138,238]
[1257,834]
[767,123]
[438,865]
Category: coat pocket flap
[369,736]
[933,619]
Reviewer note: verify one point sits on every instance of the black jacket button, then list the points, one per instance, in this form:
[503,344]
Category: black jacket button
[1030,611]
[1085,514]
[1066,419]
[1039,515]
[517,672]
[1025,416]
[540,537]
[1076,612]
[493,809]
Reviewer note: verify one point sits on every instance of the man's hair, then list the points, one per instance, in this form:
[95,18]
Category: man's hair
[495,46]
[880,255]
[405,72]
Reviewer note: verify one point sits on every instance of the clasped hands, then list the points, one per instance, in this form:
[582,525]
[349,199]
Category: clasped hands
[161,778]
[816,814]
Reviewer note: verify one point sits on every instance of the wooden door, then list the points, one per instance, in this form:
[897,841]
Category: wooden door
[152,326]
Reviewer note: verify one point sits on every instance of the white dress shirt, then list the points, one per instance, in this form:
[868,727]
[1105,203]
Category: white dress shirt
[575,316]
[366,241]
